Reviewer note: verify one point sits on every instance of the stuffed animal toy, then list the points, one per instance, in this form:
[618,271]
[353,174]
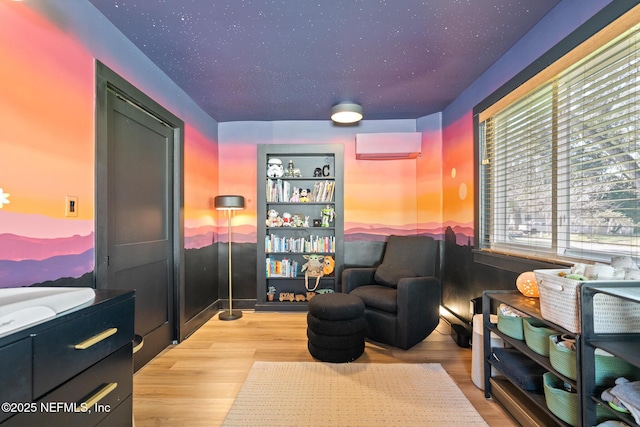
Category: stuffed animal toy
[295,195]
[313,268]
[296,220]
[329,264]
[286,219]
[273,218]
[304,195]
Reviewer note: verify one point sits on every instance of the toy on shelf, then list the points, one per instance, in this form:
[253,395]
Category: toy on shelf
[287,221]
[328,214]
[288,296]
[273,218]
[313,268]
[274,168]
[304,195]
[329,264]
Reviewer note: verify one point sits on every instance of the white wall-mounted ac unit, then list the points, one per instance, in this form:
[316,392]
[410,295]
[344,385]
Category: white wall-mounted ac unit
[388,146]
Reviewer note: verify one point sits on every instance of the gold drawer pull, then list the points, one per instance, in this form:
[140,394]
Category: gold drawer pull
[96,398]
[96,339]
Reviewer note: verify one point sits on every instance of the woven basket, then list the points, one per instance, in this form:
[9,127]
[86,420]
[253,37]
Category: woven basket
[510,326]
[562,359]
[560,304]
[536,335]
[563,404]
[608,368]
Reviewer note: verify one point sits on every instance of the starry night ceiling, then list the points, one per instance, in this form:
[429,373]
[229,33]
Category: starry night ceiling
[244,60]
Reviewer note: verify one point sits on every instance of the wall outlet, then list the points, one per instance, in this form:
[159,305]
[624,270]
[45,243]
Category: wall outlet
[71,207]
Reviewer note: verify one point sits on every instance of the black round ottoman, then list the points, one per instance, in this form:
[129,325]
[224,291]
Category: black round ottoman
[335,327]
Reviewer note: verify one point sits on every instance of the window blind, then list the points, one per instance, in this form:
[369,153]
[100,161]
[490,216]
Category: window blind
[560,167]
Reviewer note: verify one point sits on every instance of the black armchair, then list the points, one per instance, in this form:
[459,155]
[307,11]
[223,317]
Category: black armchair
[401,296]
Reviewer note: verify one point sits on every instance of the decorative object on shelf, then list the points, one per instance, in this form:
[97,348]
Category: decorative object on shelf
[274,168]
[329,265]
[295,195]
[271,293]
[304,195]
[306,221]
[310,294]
[229,203]
[300,298]
[292,172]
[326,170]
[297,221]
[317,222]
[273,218]
[287,221]
[527,284]
[317,172]
[312,268]
[346,113]
[290,169]
[328,214]
[287,296]
[324,291]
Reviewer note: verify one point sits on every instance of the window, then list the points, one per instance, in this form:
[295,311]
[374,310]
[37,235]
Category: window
[560,166]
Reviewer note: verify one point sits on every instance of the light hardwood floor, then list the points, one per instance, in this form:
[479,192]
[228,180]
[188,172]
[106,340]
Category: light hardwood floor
[195,382]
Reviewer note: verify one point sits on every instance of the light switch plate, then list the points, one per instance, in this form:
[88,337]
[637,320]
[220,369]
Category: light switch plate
[71,207]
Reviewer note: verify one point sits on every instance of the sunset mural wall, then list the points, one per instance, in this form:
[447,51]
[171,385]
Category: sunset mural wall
[380,196]
[47,146]
[46,150]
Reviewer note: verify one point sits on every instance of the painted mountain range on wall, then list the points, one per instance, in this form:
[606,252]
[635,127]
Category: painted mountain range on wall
[18,248]
[29,272]
[378,232]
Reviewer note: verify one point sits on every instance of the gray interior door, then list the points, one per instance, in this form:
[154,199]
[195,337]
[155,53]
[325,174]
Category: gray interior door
[140,219]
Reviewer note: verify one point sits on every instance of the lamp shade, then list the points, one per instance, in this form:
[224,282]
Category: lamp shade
[527,284]
[346,112]
[229,202]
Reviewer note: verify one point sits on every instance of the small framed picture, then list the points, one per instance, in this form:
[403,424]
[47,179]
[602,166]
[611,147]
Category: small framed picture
[317,222]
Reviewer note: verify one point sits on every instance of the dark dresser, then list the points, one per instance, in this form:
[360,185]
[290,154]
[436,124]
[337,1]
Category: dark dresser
[73,370]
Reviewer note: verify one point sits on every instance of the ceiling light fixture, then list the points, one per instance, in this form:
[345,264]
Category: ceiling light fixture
[346,112]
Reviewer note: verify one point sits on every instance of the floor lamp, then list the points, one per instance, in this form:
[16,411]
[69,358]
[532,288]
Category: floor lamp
[229,203]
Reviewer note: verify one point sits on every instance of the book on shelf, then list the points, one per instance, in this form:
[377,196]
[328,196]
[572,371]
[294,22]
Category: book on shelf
[322,191]
[281,190]
[281,268]
[275,243]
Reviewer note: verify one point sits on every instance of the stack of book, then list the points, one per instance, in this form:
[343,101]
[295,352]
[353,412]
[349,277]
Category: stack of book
[279,190]
[275,243]
[281,268]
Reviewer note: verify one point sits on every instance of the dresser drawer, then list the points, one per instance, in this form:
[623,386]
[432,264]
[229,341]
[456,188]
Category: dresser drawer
[60,353]
[121,416]
[15,374]
[110,382]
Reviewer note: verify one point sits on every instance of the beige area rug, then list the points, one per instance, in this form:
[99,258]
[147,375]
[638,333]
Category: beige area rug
[350,394]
